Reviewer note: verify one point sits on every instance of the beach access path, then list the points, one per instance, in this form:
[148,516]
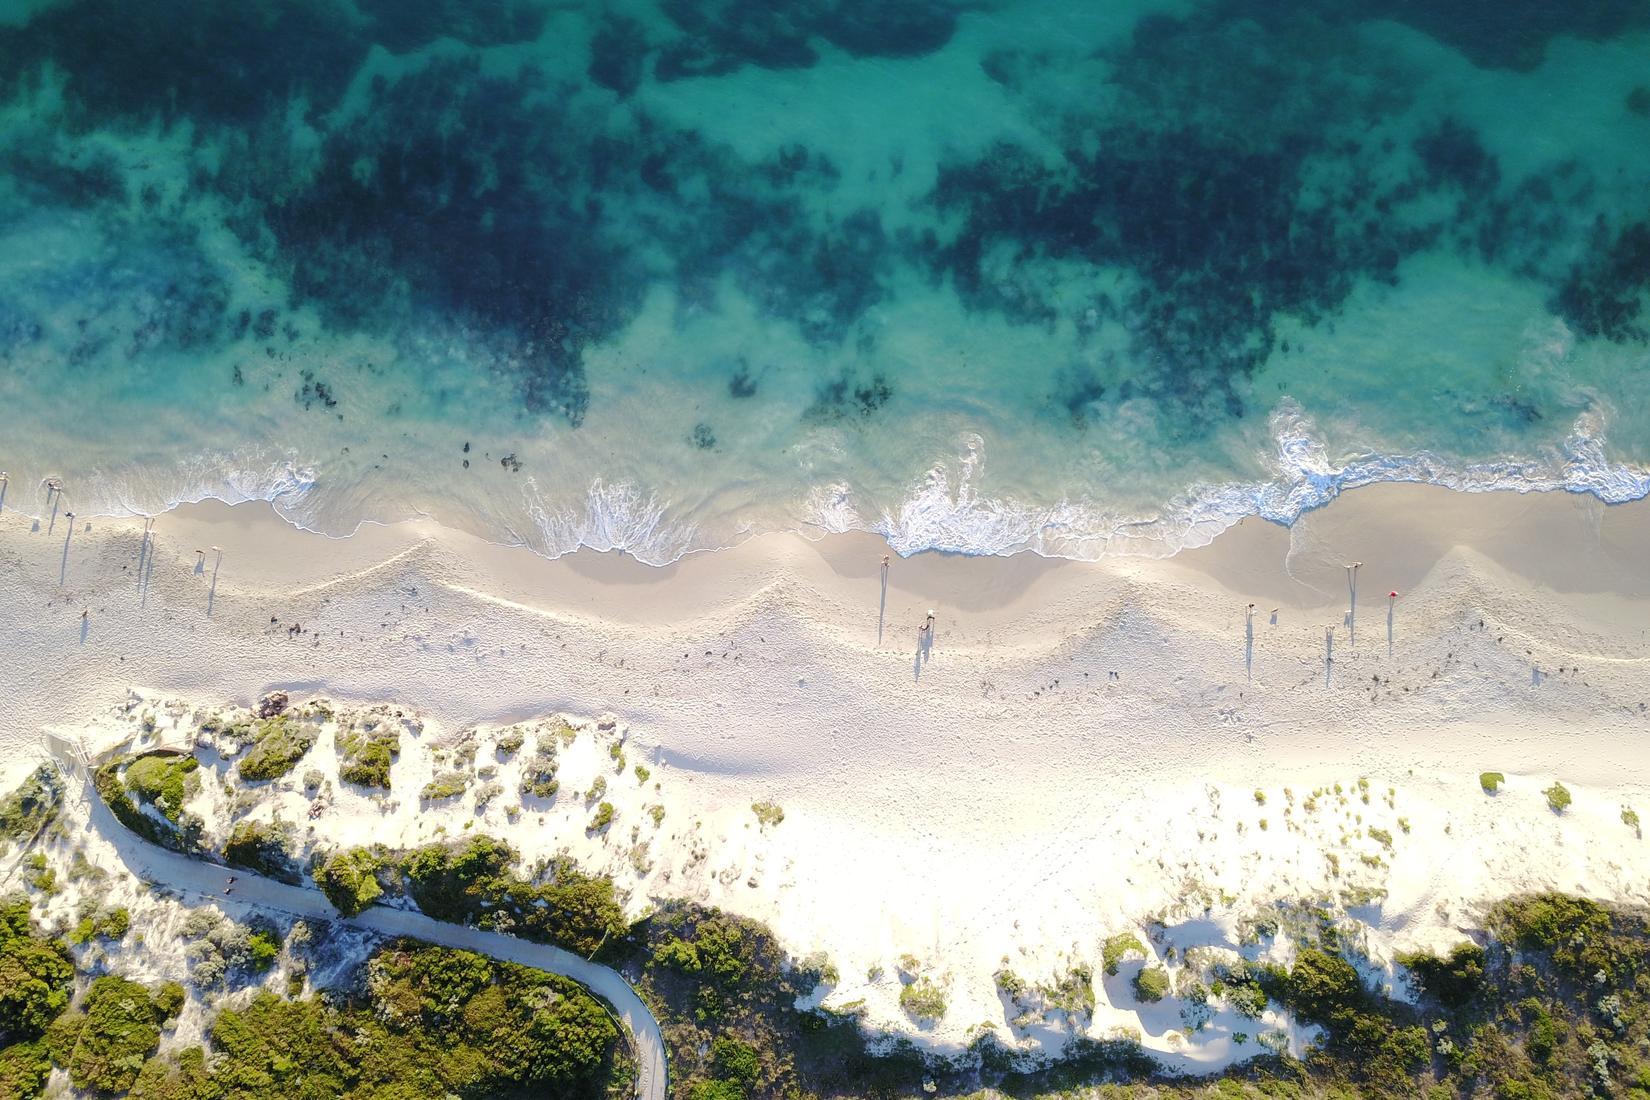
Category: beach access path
[207,881]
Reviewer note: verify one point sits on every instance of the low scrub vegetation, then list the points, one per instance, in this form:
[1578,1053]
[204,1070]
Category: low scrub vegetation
[280,742]
[367,752]
[349,879]
[261,847]
[31,807]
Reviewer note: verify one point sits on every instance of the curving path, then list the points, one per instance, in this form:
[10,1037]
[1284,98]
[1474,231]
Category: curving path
[188,876]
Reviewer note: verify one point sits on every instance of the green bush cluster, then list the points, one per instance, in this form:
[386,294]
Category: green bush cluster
[32,806]
[1558,798]
[430,1022]
[111,788]
[35,975]
[1491,781]
[1452,980]
[281,741]
[261,846]
[923,1000]
[538,772]
[444,786]
[768,813]
[1119,947]
[473,881]
[349,879]
[1151,984]
[104,1042]
[365,755]
[164,781]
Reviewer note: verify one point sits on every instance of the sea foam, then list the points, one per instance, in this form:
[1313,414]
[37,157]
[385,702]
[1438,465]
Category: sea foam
[946,511]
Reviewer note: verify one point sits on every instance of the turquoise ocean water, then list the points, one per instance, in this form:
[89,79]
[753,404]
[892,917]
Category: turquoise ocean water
[982,276]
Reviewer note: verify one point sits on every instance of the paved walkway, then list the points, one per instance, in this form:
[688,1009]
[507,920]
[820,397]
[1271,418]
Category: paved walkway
[156,865]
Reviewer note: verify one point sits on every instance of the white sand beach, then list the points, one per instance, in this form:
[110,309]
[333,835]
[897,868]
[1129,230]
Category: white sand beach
[1077,749]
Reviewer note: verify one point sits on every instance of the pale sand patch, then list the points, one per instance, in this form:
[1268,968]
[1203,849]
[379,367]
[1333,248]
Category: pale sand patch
[1000,793]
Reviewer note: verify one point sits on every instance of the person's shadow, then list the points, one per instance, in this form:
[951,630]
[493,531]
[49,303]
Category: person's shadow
[882,604]
[925,650]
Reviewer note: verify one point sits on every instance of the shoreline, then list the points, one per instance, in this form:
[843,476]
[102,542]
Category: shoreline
[943,511]
[1073,756]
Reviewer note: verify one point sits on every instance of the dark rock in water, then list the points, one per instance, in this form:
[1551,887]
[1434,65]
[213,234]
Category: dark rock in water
[742,384]
[1509,34]
[272,704]
[617,51]
[703,437]
[724,35]
[1604,295]
[400,27]
[1638,101]
[220,63]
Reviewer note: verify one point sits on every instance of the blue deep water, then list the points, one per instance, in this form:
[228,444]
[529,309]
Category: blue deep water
[981,276]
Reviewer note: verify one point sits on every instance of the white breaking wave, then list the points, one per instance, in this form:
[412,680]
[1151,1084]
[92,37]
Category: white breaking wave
[945,510]
[613,517]
[140,491]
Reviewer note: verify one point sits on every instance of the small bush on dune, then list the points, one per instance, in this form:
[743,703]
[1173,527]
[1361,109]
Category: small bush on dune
[923,1001]
[768,813]
[28,809]
[261,847]
[164,781]
[350,880]
[449,785]
[1451,980]
[1151,984]
[365,756]
[1558,798]
[281,743]
[1117,948]
[1491,781]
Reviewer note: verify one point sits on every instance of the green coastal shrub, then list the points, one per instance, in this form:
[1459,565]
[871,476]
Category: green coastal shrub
[261,847]
[32,806]
[768,813]
[425,1022]
[538,772]
[1452,980]
[281,742]
[1491,781]
[444,786]
[602,819]
[1151,984]
[1118,948]
[105,1041]
[164,781]
[112,789]
[923,1001]
[35,975]
[1558,798]
[349,879]
[473,881]
[366,755]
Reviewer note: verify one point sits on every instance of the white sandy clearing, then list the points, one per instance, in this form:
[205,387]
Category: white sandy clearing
[1075,755]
